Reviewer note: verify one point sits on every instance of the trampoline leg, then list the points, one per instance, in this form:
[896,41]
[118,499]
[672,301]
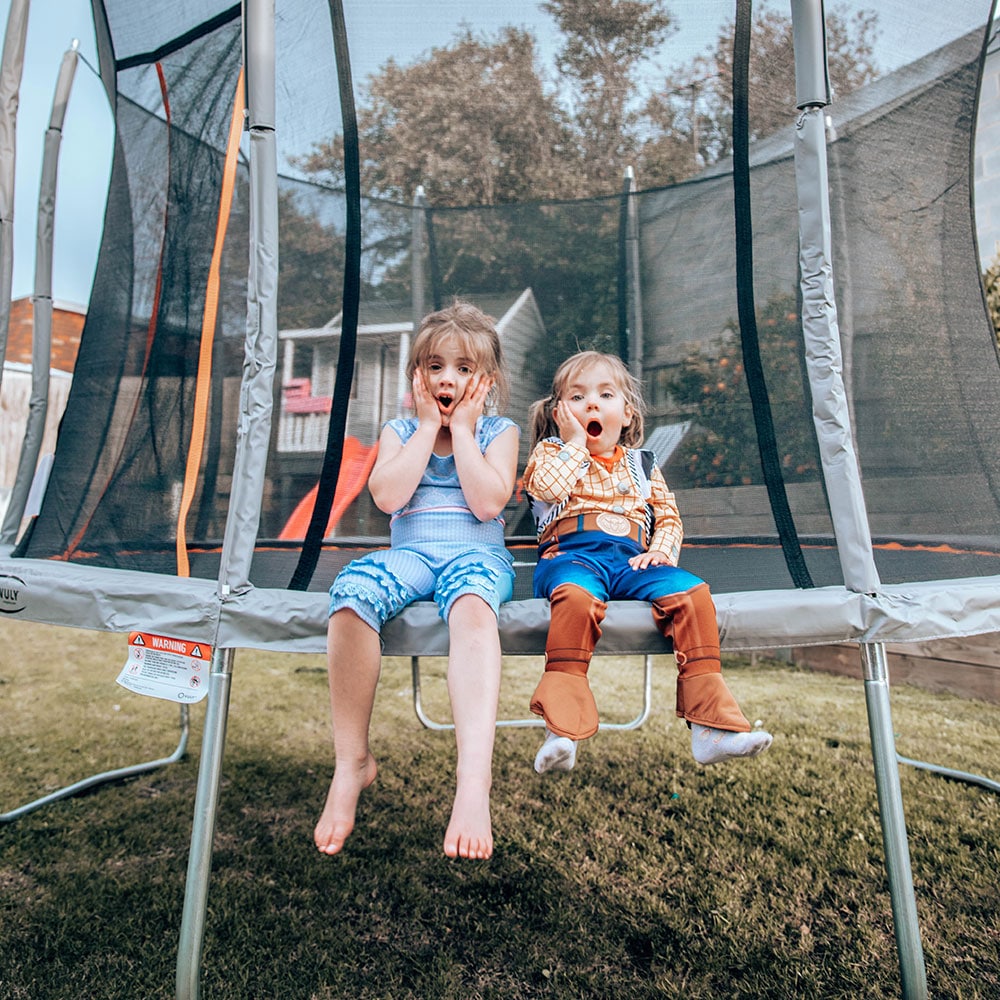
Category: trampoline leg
[119,774]
[535,721]
[203,827]
[647,700]
[947,772]
[890,801]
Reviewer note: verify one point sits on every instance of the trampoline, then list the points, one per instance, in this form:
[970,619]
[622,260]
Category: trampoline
[806,314]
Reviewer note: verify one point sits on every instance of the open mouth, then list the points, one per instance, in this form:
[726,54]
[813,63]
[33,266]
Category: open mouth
[446,401]
[594,428]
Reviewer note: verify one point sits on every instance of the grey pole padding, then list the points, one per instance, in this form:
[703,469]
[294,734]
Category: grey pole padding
[890,805]
[845,277]
[821,337]
[636,337]
[192,933]
[41,303]
[843,479]
[812,78]
[261,345]
[11,68]
[253,432]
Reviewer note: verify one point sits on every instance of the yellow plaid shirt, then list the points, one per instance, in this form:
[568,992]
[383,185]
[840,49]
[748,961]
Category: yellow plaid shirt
[558,472]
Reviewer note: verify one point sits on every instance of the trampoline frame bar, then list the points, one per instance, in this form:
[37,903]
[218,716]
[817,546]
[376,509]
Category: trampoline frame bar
[206,805]
[913,972]
[106,777]
[947,772]
[534,721]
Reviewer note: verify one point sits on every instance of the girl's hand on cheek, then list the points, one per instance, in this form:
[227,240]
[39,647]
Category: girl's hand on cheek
[423,402]
[473,402]
[570,429]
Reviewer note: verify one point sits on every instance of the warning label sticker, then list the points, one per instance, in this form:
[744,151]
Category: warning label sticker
[168,668]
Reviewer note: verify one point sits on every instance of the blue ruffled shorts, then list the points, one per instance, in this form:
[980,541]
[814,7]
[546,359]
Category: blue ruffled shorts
[379,585]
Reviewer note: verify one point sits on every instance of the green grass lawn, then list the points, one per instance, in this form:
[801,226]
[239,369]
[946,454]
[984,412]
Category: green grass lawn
[640,874]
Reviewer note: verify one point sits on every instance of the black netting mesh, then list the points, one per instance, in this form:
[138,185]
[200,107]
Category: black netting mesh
[920,366]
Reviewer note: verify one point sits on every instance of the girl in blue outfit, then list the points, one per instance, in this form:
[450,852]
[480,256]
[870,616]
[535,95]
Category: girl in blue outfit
[445,476]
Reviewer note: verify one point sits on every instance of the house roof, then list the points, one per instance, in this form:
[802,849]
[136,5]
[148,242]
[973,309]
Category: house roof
[67,325]
[663,440]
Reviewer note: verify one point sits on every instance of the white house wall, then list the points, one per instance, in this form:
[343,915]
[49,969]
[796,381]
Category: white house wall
[14,397]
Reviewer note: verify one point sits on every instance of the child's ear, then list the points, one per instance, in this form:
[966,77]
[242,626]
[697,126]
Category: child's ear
[628,416]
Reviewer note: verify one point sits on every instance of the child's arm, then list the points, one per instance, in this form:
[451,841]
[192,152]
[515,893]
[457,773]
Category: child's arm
[487,479]
[668,531]
[554,469]
[399,468]
[555,466]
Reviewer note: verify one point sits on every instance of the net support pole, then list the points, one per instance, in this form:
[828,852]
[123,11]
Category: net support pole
[418,294]
[261,343]
[41,302]
[841,470]
[636,337]
[252,439]
[11,69]
[821,335]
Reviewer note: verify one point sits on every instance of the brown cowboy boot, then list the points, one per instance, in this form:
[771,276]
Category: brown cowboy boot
[563,695]
[702,694]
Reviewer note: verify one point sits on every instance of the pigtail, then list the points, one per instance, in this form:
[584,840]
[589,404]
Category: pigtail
[541,419]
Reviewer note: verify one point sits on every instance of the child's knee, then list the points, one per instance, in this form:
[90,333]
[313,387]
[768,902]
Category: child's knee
[689,617]
[471,611]
[576,602]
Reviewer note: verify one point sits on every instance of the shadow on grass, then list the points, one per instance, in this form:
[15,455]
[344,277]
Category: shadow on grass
[639,875]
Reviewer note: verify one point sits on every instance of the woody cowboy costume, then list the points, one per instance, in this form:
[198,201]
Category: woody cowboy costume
[593,514]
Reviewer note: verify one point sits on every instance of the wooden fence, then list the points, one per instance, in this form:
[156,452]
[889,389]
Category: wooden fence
[969,667]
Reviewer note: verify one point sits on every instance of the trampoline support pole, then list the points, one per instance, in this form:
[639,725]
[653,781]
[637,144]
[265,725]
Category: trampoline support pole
[890,803]
[203,828]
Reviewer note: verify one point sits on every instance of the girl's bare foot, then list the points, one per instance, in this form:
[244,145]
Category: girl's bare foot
[337,820]
[470,832]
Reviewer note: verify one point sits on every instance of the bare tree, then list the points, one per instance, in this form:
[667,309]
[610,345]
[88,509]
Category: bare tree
[605,44]
[688,122]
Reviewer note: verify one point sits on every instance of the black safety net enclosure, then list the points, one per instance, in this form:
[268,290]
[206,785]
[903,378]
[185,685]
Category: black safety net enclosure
[144,470]
[920,369]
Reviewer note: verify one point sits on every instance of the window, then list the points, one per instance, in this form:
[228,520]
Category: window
[302,360]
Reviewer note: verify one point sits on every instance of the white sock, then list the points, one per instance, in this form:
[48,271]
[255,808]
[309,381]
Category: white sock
[710,746]
[557,753]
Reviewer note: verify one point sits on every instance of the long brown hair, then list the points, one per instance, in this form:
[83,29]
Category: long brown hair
[477,334]
[541,417]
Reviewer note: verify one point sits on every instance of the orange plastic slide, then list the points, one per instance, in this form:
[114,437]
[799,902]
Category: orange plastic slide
[355,465]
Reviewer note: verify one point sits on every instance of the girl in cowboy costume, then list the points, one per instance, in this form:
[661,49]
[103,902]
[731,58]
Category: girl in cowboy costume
[609,529]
